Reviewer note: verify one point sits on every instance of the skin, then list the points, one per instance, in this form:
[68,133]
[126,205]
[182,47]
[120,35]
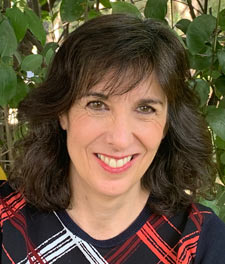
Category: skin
[115,126]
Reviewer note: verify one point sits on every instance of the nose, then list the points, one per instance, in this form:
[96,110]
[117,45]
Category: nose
[120,132]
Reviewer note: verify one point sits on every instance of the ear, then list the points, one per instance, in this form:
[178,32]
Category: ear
[63,121]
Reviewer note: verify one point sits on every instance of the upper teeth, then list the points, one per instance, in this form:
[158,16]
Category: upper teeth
[113,162]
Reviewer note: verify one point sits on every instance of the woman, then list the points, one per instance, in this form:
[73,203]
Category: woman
[115,157]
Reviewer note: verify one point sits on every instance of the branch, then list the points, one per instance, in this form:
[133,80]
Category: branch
[171,7]
[206,6]
[6,4]
[8,133]
[192,13]
[34,5]
[64,33]
[178,1]
[201,6]
[213,100]
[97,5]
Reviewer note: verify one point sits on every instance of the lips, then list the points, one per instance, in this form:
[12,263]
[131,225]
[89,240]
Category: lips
[114,162]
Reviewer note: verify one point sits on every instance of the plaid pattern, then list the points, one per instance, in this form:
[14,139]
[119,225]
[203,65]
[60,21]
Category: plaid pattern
[29,236]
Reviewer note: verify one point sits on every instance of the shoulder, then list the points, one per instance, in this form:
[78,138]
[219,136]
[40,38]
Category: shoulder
[5,189]
[211,243]
[10,201]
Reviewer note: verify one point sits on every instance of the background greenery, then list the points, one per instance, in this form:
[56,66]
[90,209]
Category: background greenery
[32,30]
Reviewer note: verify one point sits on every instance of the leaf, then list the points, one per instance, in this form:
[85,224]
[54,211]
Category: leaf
[127,8]
[222,158]
[18,20]
[2,174]
[221,59]
[156,9]
[106,3]
[183,25]
[7,84]
[49,56]
[71,10]
[216,119]
[222,103]
[220,144]
[21,92]
[49,45]
[202,88]
[199,32]
[35,25]
[8,42]
[200,61]
[212,204]
[32,62]
[93,13]
[221,19]
[220,84]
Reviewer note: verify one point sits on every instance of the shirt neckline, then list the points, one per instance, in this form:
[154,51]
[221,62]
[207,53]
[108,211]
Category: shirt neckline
[112,242]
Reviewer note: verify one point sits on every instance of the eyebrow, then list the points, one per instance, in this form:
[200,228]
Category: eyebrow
[141,101]
[99,95]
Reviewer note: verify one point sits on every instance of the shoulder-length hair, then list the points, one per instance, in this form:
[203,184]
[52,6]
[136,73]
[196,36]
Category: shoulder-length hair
[129,49]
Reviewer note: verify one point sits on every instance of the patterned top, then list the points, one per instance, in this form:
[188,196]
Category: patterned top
[196,236]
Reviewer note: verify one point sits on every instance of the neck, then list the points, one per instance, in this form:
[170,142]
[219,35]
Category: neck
[104,217]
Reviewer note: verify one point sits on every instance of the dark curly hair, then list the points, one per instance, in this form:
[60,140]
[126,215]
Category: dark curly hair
[130,49]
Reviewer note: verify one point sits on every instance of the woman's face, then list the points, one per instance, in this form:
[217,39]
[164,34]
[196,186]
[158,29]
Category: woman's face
[112,140]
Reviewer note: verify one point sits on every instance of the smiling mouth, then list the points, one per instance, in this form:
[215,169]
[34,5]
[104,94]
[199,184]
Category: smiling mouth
[115,163]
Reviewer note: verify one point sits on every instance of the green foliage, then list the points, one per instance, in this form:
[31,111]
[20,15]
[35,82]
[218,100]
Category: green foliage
[200,33]
[32,63]
[183,24]
[8,41]
[203,35]
[71,10]
[7,83]
[35,25]
[156,9]
[123,7]
[19,22]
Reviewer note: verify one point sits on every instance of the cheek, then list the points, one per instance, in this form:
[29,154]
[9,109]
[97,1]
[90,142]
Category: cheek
[152,134]
[83,131]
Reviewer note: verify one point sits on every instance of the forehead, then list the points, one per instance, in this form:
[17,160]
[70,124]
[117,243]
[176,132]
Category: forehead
[148,87]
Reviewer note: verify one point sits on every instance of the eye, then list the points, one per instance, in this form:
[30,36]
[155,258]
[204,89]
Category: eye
[146,109]
[97,105]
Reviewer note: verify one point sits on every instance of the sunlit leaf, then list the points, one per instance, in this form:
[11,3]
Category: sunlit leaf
[93,13]
[106,3]
[127,8]
[2,174]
